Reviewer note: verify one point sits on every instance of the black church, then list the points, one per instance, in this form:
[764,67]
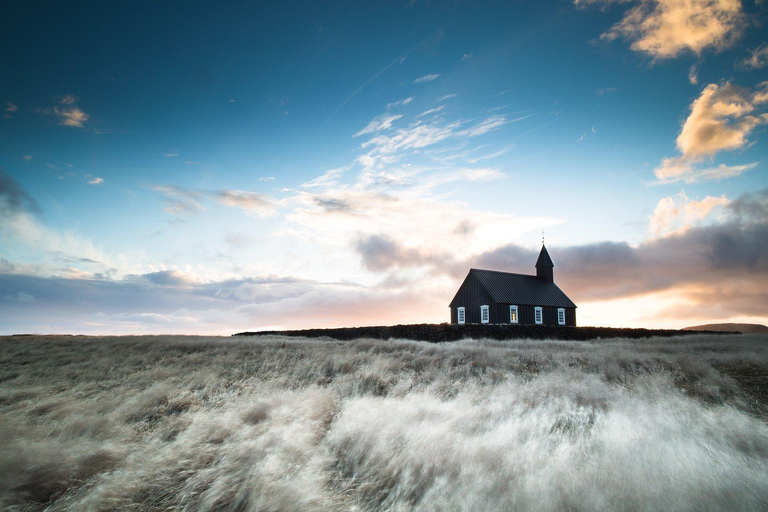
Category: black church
[491,297]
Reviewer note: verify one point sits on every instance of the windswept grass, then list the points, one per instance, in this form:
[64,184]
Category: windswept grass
[183,423]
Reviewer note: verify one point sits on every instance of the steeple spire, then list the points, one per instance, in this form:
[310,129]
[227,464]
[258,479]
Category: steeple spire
[545,269]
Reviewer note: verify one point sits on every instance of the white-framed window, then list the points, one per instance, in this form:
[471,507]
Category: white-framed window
[485,314]
[560,316]
[461,315]
[513,315]
[538,316]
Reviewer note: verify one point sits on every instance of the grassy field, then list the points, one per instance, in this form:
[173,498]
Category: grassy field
[270,423]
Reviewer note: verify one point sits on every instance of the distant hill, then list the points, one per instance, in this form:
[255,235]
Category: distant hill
[742,328]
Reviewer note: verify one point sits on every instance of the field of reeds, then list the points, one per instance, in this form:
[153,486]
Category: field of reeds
[277,423]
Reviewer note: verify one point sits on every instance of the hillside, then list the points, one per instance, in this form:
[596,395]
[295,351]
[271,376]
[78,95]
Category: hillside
[452,332]
[742,328]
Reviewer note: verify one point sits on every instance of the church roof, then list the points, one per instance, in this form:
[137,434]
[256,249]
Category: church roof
[508,288]
[544,259]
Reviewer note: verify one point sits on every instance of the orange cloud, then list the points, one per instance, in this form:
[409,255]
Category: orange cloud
[721,119]
[665,29]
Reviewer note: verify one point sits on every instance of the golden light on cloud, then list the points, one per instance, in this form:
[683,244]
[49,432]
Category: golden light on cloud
[665,29]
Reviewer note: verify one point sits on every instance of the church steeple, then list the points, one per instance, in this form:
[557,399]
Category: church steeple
[545,269]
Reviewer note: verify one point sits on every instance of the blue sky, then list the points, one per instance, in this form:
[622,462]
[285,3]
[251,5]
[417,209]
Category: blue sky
[199,167]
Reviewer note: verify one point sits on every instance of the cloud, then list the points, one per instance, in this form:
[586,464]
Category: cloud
[329,178]
[168,302]
[251,202]
[677,214]
[398,103]
[170,155]
[172,278]
[20,296]
[67,112]
[689,171]
[432,111]
[379,123]
[447,97]
[22,229]
[94,180]
[665,29]
[606,90]
[14,199]
[426,78]
[490,156]
[467,56]
[721,119]
[179,200]
[486,126]
[27,158]
[757,59]
[266,178]
[693,74]
[71,116]
[11,107]
[381,253]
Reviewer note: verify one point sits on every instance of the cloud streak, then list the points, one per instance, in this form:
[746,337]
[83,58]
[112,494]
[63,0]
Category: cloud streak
[426,78]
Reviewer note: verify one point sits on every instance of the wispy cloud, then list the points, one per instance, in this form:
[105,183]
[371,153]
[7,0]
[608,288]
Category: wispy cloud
[327,179]
[467,56]
[446,97]
[94,180]
[426,78]
[668,28]
[431,111]
[253,203]
[485,126]
[266,178]
[491,155]
[170,155]
[383,122]
[693,74]
[687,170]
[22,227]
[398,103]
[606,90]
[721,119]
[180,200]
[11,107]
[13,198]
[27,158]
[757,59]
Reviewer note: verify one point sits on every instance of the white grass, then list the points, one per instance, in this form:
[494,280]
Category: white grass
[181,423]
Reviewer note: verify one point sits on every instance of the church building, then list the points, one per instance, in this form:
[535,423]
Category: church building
[491,297]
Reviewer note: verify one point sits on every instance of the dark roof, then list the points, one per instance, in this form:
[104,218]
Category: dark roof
[544,259]
[521,289]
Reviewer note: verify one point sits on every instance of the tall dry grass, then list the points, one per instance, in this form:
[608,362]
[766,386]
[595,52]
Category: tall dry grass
[181,423]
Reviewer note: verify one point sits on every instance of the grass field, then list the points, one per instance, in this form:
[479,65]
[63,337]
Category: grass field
[270,423]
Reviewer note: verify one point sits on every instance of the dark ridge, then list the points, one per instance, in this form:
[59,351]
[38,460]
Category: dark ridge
[742,328]
[451,332]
